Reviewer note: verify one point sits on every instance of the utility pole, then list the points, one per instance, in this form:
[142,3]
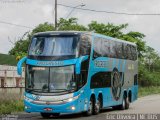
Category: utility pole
[55,14]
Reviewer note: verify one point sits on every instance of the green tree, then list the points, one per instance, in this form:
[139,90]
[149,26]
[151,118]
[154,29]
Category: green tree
[109,29]
[43,28]
[151,58]
[116,31]
[70,24]
[21,46]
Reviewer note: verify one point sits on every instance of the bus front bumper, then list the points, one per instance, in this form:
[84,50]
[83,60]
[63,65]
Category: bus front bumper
[70,107]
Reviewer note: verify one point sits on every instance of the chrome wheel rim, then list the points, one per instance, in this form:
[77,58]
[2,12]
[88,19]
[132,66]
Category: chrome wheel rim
[90,107]
[98,106]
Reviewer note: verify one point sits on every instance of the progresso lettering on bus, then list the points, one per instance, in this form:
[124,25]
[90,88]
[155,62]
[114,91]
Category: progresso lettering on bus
[50,63]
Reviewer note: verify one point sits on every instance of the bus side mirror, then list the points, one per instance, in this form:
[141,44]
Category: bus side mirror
[78,63]
[19,65]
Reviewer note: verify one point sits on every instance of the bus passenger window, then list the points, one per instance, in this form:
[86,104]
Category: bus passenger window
[134,52]
[97,48]
[118,50]
[130,57]
[113,49]
[85,45]
[101,80]
[37,46]
[105,48]
[125,52]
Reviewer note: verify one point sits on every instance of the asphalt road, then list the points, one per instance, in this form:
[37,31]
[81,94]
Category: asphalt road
[144,105]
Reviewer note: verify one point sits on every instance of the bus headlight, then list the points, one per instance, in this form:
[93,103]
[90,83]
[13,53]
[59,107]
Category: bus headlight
[27,99]
[71,99]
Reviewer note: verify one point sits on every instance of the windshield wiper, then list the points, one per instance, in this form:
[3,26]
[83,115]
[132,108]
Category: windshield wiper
[61,90]
[33,90]
[58,89]
[29,90]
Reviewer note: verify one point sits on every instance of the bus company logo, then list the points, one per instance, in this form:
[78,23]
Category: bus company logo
[37,98]
[116,85]
[53,63]
[101,64]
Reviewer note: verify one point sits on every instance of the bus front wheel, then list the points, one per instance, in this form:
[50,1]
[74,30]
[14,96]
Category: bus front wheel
[90,107]
[46,115]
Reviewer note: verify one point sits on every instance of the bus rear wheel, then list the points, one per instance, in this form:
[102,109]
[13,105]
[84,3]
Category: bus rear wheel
[125,103]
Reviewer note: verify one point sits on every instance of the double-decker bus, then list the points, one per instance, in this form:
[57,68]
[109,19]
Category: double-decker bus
[73,72]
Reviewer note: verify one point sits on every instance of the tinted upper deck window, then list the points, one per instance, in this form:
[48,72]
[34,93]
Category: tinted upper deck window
[53,46]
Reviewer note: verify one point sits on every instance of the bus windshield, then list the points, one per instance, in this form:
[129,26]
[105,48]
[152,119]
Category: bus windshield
[54,46]
[50,79]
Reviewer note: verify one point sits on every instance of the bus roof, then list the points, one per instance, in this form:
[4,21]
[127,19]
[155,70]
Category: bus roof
[60,32]
[114,39]
[81,32]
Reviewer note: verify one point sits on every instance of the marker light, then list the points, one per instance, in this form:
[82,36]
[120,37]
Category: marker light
[27,107]
[73,108]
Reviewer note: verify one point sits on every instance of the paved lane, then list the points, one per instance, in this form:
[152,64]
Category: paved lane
[148,104]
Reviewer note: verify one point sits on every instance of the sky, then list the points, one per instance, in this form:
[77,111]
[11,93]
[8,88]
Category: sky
[33,12]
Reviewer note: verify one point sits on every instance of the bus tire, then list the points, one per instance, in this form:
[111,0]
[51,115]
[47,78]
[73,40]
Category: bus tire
[55,114]
[118,107]
[97,106]
[46,115]
[127,103]
[90,107]
[122,106]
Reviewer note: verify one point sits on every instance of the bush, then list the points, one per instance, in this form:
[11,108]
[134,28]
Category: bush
[9,106]
[144,91]
[148,78]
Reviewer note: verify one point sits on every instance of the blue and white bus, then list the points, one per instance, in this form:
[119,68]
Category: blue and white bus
[73,72]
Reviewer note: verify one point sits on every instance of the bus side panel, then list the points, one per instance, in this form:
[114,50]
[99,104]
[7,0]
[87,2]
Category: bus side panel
[131,79]
[134,93]
[127,69]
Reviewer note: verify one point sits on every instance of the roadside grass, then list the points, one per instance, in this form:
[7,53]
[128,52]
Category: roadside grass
[10,106]
[144,91]
[10,103]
